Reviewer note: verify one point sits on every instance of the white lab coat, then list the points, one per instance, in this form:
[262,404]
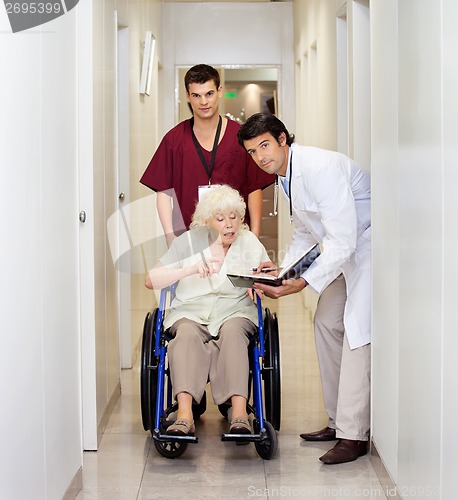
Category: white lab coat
[331,205]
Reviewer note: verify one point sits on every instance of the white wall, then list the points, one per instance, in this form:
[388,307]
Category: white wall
[415,177]
[57,157]
[40,430]
[315,93]
[315,57]
[449,369]
[386,236]
[225,33]
[105,203]
[144,138]
[414,110]
[100,179]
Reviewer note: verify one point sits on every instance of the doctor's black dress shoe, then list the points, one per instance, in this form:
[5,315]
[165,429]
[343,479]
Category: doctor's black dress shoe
[346,450]
[326,434]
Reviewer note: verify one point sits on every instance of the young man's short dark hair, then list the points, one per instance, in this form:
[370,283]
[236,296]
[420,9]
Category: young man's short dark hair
[201,73]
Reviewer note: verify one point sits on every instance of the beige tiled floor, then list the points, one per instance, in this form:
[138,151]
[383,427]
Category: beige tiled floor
[128,467]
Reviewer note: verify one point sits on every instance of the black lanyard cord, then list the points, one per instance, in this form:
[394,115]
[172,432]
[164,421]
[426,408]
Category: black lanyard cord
[208,169]
[289,187]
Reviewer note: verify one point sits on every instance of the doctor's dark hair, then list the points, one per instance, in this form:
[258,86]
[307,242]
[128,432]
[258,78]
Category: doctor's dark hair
[262,123]
[201,73]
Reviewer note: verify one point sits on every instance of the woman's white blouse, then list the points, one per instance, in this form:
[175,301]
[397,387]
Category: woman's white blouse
[213,300]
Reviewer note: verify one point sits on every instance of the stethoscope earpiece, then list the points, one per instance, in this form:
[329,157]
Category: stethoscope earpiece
[274,213]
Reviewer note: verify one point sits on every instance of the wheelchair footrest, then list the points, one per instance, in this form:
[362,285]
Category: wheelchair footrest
[250,438]
[167,438]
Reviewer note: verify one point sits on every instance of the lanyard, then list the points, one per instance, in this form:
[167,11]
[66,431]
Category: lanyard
[289,188]
[208,169]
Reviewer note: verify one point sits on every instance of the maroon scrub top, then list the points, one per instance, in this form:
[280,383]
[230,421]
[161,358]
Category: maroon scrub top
[176,165]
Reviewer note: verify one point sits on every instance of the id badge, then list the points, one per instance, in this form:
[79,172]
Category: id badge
[203,190]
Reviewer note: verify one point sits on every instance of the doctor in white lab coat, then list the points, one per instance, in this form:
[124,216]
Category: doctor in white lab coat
[329,201]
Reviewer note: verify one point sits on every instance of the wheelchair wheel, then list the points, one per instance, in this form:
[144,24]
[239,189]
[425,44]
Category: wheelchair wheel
[268,447]
[170,449]
[271,370]
[148,374]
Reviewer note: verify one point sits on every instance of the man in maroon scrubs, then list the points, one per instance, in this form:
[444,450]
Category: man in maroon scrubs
[201,152]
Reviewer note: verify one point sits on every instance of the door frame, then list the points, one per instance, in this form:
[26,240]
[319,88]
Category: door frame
[123,175]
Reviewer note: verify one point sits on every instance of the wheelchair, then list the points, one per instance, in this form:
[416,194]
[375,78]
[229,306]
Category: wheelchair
[264,400]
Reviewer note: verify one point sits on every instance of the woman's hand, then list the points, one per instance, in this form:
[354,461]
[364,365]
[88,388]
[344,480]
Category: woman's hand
[207,266]
[252,292]
[161,276]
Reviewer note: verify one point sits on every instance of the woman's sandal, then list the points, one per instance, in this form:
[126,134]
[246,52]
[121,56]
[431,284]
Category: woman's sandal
[240,426]
[181,428]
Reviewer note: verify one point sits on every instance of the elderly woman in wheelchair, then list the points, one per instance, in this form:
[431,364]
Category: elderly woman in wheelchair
[210,321]
[210,331]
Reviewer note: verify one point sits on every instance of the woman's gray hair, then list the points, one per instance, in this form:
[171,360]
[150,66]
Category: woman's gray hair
[220,199]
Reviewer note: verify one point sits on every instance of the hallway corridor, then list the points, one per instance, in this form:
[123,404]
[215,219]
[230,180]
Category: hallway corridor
[128,467]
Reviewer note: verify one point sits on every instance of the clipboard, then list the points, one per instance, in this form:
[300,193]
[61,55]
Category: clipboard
[293,270]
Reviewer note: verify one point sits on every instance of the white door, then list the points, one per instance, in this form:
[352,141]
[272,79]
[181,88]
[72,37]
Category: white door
[86,242]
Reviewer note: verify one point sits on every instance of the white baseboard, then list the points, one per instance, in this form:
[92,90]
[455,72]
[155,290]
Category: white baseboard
[108,411]
[388,485]
[75,486]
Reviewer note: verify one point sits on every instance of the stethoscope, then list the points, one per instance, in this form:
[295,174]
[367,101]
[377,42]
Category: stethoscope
[275,212]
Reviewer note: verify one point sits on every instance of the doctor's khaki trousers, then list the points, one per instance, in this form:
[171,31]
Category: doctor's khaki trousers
[195,357]
[345,373]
